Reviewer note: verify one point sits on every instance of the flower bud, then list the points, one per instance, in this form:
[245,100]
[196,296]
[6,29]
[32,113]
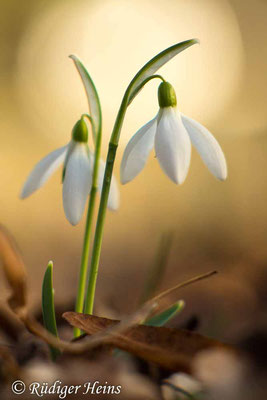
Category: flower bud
[80,131]
[166,95]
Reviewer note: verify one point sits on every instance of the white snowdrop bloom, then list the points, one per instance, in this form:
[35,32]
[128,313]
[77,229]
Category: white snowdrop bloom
[172,133]
[77,174]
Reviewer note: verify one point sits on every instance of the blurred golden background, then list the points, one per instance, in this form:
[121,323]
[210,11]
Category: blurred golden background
[221,83]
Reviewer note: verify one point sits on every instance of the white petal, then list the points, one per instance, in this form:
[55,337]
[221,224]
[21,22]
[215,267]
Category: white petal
[77,183]
[43,170]
[137,151]
[114,194]
[207,146]
[172,145]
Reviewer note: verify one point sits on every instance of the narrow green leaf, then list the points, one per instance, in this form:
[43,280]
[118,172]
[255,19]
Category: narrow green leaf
[158,320]
[154,64]
[91,92]
[165,316]
[48,306]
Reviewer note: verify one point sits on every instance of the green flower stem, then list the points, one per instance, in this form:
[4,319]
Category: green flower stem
[145,74]
[85,257]
[88,227]
[113,144]
[89,300]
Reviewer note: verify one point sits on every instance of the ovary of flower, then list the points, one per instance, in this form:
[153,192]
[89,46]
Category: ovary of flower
[77,181]
[172,133]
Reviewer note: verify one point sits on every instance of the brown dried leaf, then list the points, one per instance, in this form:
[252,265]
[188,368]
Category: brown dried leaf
[172,349]
[90,343]
[9,368]
[14,270]
[10,326]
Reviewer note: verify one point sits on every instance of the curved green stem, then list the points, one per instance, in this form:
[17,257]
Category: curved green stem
[113,144]
[139,87]
[88,227]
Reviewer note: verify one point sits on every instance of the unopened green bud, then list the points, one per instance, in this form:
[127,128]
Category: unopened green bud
[80,131]
[166,95]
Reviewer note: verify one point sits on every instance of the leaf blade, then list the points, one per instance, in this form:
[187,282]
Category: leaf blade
[48,307]
[162,318]
[155,64]
[172,349]
[91,92]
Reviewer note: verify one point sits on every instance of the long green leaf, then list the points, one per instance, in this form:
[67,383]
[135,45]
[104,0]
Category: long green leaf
[91,92]
[138,82]
[165,316]
[48,306]
[154,64]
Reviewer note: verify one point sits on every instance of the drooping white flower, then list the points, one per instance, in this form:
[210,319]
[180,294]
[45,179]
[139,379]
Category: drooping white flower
[171,133]
[77,174]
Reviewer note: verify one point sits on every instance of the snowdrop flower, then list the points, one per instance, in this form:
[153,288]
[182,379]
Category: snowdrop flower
[172,134]
[77,174]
